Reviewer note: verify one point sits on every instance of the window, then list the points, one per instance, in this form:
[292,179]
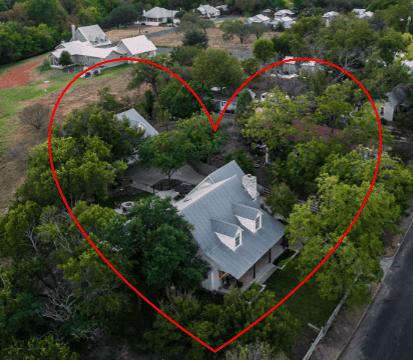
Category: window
[237,240]
[257,222]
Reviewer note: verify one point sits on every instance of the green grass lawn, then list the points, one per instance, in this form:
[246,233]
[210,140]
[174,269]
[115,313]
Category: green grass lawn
[305,304]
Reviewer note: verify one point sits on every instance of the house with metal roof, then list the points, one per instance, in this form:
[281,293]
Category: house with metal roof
[258,19]
[235,236]
[328,16]
[139,122]
[85,51]
[209,11]
[283,13]
[295,67]
[397,101]
[362,13]
[157,16]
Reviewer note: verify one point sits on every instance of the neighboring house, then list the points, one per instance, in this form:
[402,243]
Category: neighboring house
[235,236]
[293,67]
[157,16]
[328,16]
[258,19]
[286,22]
[362,13]
[85,52]
[283,13]
[397,101]
[223,9]
[209,11]
[268,12]
[137,121]
[221,99]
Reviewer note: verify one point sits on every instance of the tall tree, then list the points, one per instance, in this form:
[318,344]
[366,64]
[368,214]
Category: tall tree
[215,67]
[264,50]
[195,37]
[237,28]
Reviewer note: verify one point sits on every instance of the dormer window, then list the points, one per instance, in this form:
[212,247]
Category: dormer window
[257,222]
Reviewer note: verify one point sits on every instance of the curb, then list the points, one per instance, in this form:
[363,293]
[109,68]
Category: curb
[375,293]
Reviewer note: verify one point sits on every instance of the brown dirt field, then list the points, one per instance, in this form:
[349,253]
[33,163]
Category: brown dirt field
[19,76]
[215,41]
[12,171]
[133,30]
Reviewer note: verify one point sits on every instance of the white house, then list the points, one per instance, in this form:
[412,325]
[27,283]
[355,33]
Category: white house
[209,11]
[235,236]
[397,101]
[294,67]
[328,16]
[157,16]
[286,22]
[283,13]
[362,13]
[258,19]
[221,99]
[89,48]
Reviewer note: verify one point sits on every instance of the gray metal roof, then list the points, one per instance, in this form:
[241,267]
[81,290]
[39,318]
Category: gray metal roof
[135,119]
[397,96]
[246,212]
[94,32]
[217,203]
[224,228]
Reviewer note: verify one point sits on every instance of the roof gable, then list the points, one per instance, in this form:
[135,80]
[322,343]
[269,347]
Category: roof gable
[138,44]
[136,119]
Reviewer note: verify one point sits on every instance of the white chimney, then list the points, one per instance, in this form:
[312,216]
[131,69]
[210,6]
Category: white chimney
[249,183]
[143,12]
[73,32]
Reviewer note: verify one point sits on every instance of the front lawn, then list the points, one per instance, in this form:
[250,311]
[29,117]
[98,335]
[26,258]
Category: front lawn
[305,304]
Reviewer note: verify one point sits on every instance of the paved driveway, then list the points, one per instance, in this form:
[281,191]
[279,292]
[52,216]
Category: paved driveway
[386,332]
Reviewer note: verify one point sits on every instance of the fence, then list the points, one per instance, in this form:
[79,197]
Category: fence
[324,329]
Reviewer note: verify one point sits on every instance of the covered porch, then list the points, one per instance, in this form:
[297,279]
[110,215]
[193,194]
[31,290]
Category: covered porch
[259,272]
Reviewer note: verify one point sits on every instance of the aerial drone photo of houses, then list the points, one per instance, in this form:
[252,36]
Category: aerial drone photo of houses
[213,227]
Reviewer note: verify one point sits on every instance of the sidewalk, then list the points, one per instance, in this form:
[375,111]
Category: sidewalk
[345,324]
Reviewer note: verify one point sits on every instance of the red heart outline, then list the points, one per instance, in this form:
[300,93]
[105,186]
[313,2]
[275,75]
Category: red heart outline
[215,128]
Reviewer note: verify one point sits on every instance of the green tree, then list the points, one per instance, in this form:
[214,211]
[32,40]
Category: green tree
[47,349]
[215,67]
[237,28]
[48,12]
[258,350]
[117,134]
[65,59]
[250,66]
[198,130]
[181,103]
[195,37]
[245,163]
[316,222]
[212,323]
[244,99]
[184,55]
[122,15]
[81,169]
[162,241]
[147,73]
[282,200]
[166,152]
[263,49]
[258,29]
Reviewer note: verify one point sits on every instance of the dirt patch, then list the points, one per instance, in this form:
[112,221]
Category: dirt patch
[303,343]
[215,40]
[12,171]
[336,337]
[19,76]
[43,86]
[133,30]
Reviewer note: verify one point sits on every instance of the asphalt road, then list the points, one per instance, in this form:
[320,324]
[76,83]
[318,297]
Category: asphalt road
[386,332]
